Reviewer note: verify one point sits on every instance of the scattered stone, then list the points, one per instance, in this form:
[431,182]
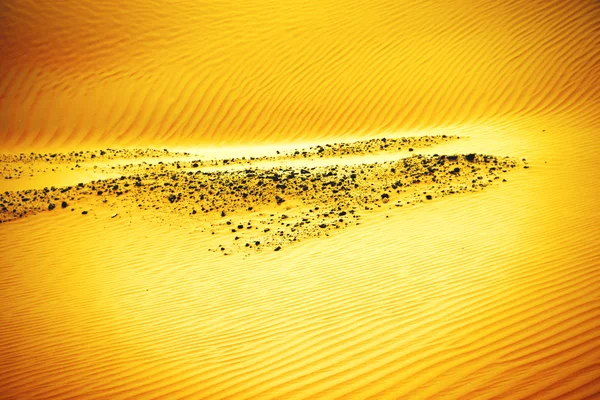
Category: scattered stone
[340,190]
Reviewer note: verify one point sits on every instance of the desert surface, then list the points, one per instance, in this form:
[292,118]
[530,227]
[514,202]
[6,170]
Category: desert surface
[300,200]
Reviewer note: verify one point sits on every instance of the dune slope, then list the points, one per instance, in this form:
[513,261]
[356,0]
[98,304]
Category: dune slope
[492,294]
[88,74]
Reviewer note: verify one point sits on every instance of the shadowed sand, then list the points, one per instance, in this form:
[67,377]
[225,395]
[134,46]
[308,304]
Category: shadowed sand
[458,259]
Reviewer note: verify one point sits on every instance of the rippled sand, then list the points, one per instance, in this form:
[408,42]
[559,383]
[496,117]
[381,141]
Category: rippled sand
[491,293]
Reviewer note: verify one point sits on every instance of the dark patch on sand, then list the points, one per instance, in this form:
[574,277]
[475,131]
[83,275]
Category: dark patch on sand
[269,208]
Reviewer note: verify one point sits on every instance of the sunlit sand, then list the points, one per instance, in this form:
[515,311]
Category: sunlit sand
[387,200]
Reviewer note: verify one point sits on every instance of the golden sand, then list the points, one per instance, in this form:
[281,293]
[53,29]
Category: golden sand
[491,291]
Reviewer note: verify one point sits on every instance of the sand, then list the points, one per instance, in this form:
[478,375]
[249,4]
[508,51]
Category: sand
[492,291]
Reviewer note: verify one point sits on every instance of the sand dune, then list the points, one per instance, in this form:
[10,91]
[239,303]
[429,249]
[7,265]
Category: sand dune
[485,294]
[89,74]
[449,301]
